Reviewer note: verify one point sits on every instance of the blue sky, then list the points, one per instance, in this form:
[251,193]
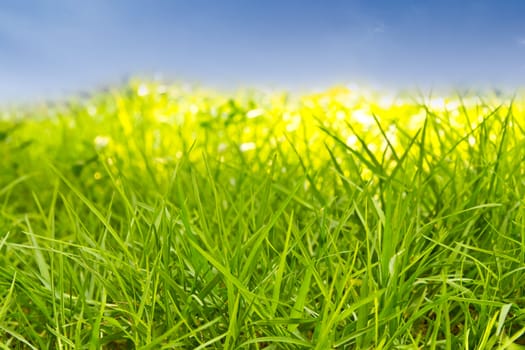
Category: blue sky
[56,47]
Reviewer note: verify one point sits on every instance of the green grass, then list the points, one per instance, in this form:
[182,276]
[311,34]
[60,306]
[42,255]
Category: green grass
[165,217]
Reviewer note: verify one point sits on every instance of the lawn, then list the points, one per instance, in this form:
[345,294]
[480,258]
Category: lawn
[165,216]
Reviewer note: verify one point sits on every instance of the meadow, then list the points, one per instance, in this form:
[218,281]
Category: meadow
[158,216]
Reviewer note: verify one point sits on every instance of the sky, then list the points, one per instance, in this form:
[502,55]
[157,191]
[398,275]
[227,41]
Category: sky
[51,48]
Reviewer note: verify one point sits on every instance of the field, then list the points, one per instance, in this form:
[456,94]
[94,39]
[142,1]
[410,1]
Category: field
[164,216]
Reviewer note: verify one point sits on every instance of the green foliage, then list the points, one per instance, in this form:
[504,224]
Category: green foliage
[166,217]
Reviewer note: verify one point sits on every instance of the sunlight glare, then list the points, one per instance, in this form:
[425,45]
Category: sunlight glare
[247,146]
[142,90]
